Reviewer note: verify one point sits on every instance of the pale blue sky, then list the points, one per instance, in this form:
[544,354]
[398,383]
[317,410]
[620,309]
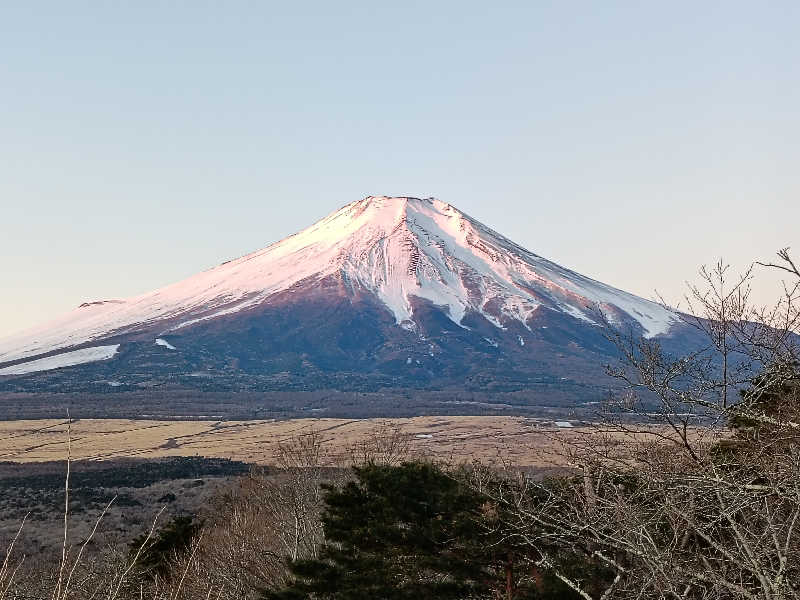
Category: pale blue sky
[141,142]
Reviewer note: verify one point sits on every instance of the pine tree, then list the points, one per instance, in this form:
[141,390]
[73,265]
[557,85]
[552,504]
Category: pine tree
[774,395]
[408,531]
[156,554]
[415,531]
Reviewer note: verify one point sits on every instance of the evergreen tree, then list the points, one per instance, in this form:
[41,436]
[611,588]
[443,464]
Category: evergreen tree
[157,553]
[396,532]
[414,532]
[774,395]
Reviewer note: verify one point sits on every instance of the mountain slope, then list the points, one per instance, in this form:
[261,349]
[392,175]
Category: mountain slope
[408,274]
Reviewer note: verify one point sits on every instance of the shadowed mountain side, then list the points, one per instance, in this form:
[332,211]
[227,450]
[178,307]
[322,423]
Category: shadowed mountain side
[384,294]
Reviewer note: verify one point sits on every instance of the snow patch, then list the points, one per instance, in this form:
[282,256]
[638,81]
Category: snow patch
[67,359]
[165,343]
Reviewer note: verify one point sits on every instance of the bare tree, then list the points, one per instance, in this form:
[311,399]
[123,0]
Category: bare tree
[264,521]
[689,487]
[385,444]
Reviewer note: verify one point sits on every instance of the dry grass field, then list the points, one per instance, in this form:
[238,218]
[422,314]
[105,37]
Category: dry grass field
[149,464]
[513,440]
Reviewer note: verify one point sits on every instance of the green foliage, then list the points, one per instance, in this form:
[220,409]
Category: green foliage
[160,550]
[416,532]
[774,393]
[395,532]
[771,400]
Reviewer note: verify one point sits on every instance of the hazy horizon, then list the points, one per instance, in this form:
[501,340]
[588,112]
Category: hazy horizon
[630,144]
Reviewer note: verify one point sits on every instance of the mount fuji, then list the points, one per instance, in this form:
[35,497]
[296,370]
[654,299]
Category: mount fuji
[385,293]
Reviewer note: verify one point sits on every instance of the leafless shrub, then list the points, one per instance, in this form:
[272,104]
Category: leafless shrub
[677,507]
[386,444]
[267,519]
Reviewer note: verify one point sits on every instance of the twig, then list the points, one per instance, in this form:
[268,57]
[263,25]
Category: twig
[115,593]
[83,546]
[57,594]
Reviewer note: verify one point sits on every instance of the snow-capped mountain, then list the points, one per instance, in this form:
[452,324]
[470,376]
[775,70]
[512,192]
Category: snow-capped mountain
[414,273]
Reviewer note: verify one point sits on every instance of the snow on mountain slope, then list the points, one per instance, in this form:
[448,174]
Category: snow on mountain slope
[66,359]
[394,248]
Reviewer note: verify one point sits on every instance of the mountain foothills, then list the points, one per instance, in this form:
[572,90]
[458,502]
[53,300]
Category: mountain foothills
[385,293]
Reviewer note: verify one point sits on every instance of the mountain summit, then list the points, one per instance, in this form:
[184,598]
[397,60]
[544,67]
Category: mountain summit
[423,287]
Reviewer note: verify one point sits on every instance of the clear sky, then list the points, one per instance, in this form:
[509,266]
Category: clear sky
[141,142]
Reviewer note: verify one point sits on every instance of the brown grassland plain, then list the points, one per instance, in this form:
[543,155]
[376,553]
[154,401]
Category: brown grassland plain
[514,441]
[511,440]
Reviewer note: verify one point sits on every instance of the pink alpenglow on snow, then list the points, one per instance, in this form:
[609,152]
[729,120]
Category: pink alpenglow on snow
[394,248]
